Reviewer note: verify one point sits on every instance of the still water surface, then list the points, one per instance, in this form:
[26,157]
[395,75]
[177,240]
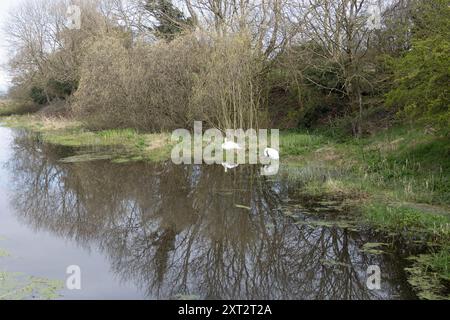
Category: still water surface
[161,231]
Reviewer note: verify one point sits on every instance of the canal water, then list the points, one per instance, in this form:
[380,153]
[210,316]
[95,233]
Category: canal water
[163,231]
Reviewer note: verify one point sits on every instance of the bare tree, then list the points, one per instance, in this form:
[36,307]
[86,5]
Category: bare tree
[336,36]
[264,20]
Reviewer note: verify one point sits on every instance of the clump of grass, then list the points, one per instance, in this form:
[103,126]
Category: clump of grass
[296,143]
[406,219]
[332,187]
[429,275]
[401,179]
[118,134]
[440,262]
[399,164]
[417,169]
[71,138]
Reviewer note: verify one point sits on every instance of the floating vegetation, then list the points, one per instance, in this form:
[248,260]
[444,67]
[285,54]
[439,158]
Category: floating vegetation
[289,213]
[4,253]
[17,286]
[121,143]
[242,207]
[374,247]
[121,160]
[425,280]
[334,263]
[331,205]
[86,157]
[343,224]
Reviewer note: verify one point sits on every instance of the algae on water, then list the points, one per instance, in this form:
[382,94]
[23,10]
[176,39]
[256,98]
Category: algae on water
[4,253]
[425,280]
[373,247]
[18,286]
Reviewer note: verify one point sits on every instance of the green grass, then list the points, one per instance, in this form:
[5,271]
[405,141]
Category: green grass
[402,218]
[429,274]
[400,163]
[297,143]
[402,179]
[125,144]
[440,262]
[414,165]
[399,177]
[81,137]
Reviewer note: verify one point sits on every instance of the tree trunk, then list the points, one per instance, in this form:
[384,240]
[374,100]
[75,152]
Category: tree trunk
[360,122]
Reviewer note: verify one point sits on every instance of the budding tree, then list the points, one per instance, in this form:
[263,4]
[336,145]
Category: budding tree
[336,34]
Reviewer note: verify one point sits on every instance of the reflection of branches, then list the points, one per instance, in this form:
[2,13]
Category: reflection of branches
[175,229]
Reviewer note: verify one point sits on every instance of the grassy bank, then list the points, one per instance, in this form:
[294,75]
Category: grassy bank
[400,165]
[397,166]
[122,144]
[400,181]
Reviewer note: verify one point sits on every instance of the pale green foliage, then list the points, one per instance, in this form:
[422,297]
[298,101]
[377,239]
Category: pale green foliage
[17,286]
[422,74]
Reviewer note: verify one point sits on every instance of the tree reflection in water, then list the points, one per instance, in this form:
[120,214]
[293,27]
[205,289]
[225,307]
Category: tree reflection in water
[177,230]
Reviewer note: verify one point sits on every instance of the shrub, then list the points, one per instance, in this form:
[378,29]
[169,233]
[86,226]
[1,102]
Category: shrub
[422,74]
[227,90]
[168,85]
[38,96]
[101,99]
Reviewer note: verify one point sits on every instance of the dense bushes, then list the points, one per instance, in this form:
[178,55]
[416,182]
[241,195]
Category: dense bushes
[227,90]
[37,95]
[9,107]
[422,74]
[154,66]
[168,85]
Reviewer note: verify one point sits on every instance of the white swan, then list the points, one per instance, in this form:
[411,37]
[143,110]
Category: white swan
[270,170]
[272,153]
[227,166]
[230,145]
